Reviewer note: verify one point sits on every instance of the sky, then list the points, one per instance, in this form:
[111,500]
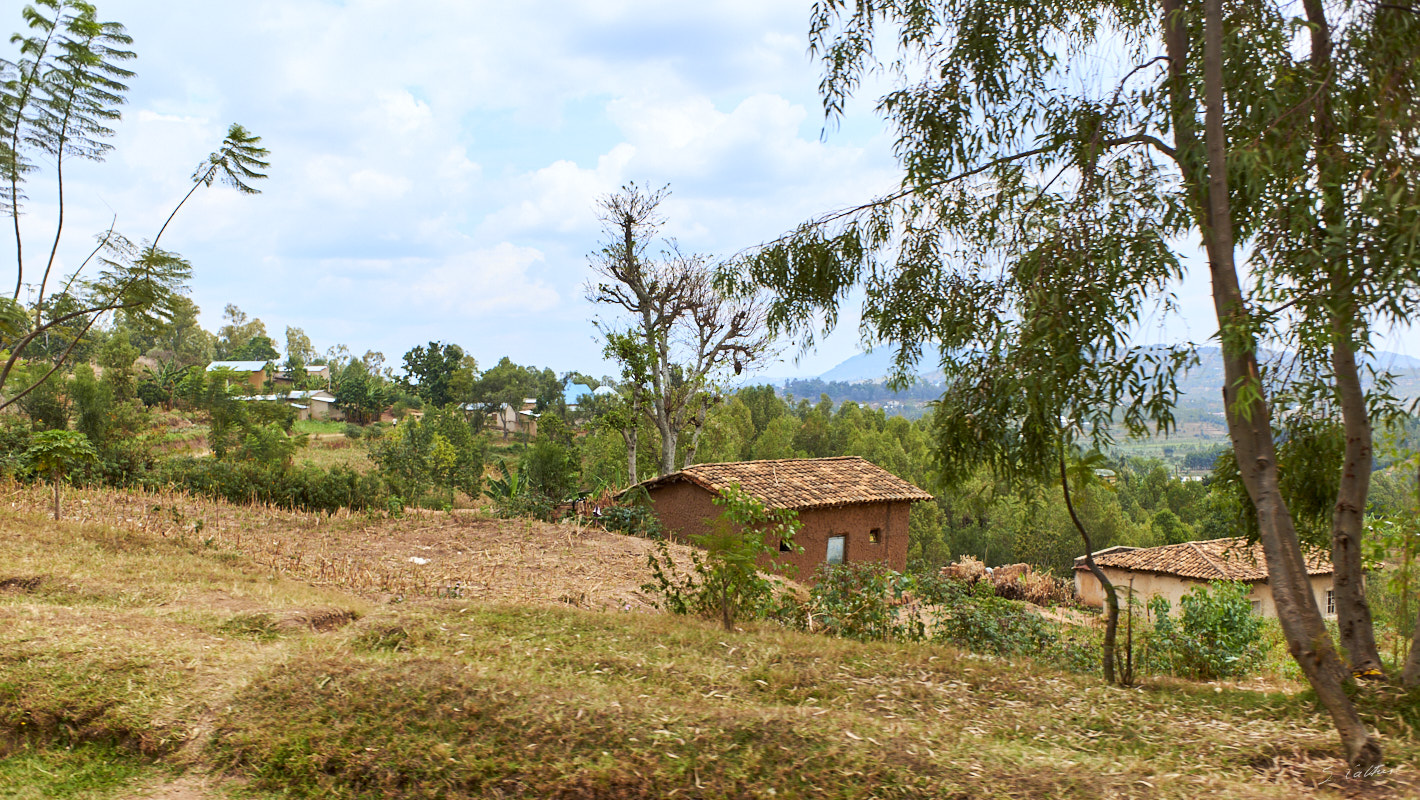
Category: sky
[435,164]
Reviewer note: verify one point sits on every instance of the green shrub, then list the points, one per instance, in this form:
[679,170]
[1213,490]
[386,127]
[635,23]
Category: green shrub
[864,601]
[1216,636]
[984,623]
[306,488]
[726,582]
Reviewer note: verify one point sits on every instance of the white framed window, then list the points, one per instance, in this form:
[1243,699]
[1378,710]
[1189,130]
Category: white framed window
[1257,608]
[837,545]
[1331,602]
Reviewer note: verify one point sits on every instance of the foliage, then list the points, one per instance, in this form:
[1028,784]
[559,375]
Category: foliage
[985,623]
[439,451]
[726,582]
[550,467]
[429,369]
[304,488]
[633,516]
[1216,636]
[864,601]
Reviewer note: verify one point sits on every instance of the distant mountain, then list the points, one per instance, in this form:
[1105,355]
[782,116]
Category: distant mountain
[1201,387]
[876,365]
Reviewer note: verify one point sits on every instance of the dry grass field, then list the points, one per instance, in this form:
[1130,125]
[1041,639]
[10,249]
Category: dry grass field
[155,646]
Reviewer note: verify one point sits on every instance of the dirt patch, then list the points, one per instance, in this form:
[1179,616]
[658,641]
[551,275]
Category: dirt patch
[318,619]
[21,584]
[186,787]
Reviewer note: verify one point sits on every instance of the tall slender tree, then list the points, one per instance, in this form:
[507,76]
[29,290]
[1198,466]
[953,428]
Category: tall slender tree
[58,99]
[1033,227]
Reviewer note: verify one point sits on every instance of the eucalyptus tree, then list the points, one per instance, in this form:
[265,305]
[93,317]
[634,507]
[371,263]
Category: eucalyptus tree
[1339,226]
[691,335]
[57,100]
[1053,152]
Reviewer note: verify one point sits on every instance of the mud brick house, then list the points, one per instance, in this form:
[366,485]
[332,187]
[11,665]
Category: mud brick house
[851,510]
[1172,570]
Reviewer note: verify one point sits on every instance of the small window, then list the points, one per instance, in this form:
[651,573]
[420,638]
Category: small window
[875,536]
[784,547]
[1330,602]
[1257,608]
[836,546]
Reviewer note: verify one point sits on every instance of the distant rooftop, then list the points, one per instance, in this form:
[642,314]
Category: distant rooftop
[238,366]
[1231,559]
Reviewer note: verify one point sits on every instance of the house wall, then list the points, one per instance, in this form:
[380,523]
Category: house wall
[685,510]
[1148,585]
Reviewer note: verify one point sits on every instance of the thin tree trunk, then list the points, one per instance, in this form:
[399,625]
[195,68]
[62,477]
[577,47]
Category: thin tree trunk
[1248,415]
[1111,599]
[631,437]
[1410,676]
[1353,613]
[55,481]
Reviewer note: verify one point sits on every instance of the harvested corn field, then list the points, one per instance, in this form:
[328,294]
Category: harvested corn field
[460,554]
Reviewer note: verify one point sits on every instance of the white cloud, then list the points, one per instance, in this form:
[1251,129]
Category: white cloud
[490,281]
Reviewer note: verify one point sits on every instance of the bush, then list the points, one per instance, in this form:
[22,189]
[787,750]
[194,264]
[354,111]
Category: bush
[1217,635]
[306,488]
[726,582]
[984,623]
[864,601]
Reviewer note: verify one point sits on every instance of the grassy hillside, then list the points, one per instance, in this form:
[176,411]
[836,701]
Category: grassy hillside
[137,659]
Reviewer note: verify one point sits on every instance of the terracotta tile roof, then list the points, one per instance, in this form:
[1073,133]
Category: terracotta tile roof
[1218,559]
[802,482]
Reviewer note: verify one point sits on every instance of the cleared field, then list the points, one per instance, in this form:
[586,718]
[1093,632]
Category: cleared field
[458,554]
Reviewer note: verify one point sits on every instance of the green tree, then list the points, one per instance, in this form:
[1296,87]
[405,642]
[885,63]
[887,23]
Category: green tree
[1032,230]
[727,582]
[428,371]
[55,454]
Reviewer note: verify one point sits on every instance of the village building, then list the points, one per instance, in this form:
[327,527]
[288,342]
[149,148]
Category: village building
[851,509]
[520,421]
[316,404]
[253,372]
[1173,570]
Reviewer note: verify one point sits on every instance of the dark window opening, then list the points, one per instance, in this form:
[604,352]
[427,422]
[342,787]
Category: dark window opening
[875,536]
[784,547]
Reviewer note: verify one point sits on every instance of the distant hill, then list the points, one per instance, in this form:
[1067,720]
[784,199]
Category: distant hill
[1201,387]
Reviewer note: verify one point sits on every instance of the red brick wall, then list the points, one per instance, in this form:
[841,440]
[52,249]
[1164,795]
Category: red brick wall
[686,509]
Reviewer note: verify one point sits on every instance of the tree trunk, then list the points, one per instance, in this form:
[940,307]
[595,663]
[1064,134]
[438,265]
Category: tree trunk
[1410,676]
[1353,613]
[55,480]
[1111,598]
[670,439]
[1248,415]
[632,437]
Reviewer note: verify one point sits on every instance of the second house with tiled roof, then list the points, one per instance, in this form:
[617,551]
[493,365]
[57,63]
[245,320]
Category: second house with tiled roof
[851,509]
[1173,570]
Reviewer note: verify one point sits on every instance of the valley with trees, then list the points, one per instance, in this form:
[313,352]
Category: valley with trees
[235,564]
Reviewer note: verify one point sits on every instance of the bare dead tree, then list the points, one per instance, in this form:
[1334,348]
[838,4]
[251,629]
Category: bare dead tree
[691,336]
